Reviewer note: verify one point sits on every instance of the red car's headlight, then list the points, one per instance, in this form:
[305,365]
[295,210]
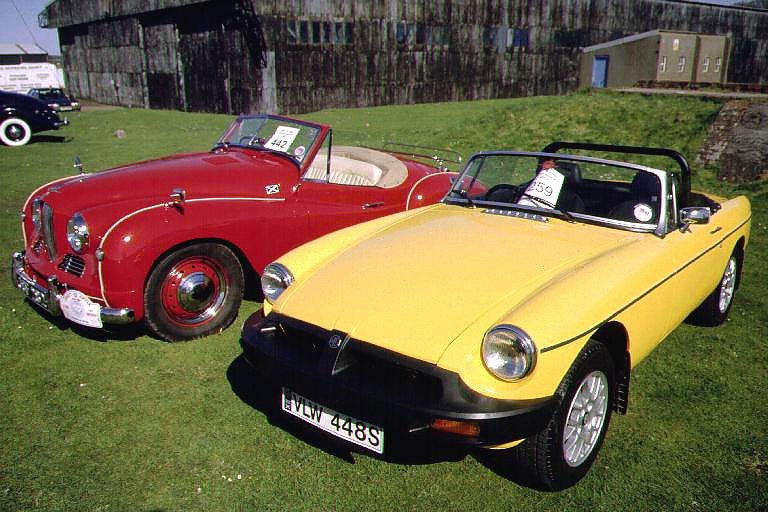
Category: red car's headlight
[77,233]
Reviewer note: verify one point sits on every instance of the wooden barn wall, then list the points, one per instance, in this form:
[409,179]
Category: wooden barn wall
[63,13]
[197,58]
[233,55]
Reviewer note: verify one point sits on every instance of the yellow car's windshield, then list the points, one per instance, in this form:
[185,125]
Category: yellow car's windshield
[625,195]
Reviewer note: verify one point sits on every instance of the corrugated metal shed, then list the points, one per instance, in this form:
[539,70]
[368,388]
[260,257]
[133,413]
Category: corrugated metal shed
[657,56]
[19,53]
[21,49]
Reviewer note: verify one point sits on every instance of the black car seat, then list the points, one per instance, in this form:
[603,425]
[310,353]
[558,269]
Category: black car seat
[644,206]
[569,199]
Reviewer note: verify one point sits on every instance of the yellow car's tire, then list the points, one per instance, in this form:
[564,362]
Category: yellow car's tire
[560,455]
[715,308]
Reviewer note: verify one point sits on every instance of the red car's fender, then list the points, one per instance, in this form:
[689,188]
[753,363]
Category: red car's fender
[136,241]
[429,189]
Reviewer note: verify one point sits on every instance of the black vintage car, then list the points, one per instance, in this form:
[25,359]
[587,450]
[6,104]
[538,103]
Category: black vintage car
[22,115]
[55,98]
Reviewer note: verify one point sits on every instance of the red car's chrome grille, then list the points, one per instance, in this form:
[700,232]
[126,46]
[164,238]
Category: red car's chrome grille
[73,264]
[38,245]
[47,230]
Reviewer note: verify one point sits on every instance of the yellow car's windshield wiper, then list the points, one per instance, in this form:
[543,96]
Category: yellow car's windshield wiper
[464,195]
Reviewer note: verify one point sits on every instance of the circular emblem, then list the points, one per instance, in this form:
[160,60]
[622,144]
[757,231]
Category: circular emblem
[334,342]
[643,212]
[299,151]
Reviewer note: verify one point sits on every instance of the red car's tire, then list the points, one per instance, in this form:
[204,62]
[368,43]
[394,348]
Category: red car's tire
[193,292]
[561,454]
[15,132]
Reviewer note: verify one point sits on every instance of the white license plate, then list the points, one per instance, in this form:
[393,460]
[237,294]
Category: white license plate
[77,307]
[340,425]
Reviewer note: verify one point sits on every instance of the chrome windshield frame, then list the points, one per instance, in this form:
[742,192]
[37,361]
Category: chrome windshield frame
[660,228]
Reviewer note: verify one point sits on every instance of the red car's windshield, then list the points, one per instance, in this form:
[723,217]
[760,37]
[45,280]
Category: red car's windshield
[293,138]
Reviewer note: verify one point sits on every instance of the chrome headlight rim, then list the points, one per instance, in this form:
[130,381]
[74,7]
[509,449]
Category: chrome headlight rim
[77,233]
[508,352]
[275,279]
[37,215]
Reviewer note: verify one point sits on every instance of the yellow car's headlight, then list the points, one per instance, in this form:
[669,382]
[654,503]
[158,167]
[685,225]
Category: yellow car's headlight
[508,352]
[275,279]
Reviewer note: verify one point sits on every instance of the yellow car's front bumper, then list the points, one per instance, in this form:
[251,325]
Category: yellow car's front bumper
[382,387]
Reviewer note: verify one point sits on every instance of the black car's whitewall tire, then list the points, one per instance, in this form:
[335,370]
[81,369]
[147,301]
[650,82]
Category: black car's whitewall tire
[15,132]
[563,452]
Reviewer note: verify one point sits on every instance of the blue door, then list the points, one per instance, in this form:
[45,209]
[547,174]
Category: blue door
[600,71]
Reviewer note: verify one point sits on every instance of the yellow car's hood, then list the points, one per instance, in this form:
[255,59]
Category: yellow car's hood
[415,286]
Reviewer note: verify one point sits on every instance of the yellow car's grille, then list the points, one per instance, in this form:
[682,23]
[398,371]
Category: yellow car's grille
[364,366]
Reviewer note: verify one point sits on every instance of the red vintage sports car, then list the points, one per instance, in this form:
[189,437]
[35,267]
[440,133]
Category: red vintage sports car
[172,241]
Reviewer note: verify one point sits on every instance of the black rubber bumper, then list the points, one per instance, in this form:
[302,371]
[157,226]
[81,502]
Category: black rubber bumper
[382,387]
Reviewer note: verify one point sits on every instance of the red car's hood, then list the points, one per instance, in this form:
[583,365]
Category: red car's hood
[228,174]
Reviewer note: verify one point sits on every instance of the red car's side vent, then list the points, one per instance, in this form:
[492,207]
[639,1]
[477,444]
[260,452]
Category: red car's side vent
[72,264]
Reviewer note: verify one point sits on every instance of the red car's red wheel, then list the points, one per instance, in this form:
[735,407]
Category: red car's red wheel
[193,291]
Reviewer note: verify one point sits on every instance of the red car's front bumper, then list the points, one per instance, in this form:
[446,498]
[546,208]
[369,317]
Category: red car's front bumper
[49,297]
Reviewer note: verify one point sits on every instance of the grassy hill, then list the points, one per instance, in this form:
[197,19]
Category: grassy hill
[98,422]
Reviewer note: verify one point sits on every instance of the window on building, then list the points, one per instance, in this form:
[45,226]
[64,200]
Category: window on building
[436,36]
[338,32]
[401,33]
[489,36]
[718,64]
[705,65]
[520,37]
[349,32]
[681,65]
[315,32]
[304,31]
[663,64]
[293,35]
[327,38]
[420,38]
[675,45]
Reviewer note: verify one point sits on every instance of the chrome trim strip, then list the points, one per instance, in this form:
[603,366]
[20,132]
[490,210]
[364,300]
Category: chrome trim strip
[47,228]
[516,214]
[114,316]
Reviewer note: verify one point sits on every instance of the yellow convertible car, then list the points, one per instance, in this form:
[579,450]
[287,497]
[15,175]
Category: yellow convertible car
[507,316]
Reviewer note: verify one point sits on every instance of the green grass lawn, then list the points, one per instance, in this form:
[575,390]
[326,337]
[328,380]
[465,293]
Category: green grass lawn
[92,422]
